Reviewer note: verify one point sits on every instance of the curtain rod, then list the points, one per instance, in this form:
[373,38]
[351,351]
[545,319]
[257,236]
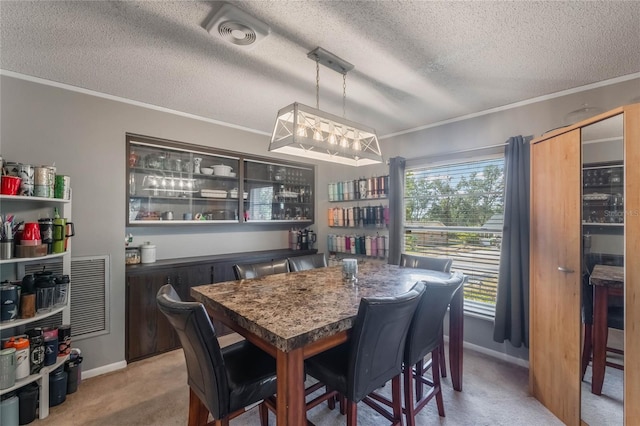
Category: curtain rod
[461,151]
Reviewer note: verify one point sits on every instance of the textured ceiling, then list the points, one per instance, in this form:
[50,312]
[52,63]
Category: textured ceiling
[416,63]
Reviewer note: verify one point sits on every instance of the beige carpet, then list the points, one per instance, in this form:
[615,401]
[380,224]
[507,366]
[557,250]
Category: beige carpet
[154,392]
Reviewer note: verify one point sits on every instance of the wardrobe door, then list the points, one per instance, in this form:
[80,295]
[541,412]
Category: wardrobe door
[555,327]
[632,266]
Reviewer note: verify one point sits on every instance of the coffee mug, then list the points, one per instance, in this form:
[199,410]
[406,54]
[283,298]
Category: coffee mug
[10,185]
[31,234]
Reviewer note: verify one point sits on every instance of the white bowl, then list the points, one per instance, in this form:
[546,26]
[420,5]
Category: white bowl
[206,170]
[232,174]
[221,170]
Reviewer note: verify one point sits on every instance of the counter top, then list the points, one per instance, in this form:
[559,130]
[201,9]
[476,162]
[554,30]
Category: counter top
[294,309]
[254,256]
[606,275]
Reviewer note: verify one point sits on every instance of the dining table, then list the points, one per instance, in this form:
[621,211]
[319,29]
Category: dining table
[296,315]
[607,281]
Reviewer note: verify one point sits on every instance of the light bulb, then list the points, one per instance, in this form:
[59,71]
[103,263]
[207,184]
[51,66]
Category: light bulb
[302,128]
[317,132]
[332,138]
[356,140]
[344,142]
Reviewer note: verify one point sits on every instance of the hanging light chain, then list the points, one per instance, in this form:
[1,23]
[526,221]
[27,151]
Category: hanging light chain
[344,95]
[317,82]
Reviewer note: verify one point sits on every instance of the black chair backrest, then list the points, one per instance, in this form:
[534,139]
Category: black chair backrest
[442,264]
[205,365]
[377,341]
[257,270]
[424,332]
[305,263]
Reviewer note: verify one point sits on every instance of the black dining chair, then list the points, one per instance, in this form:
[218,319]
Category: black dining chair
[257,270]
[441,264]
[372,356]
[222,381]
[307,262]
[615,310]
[423,337]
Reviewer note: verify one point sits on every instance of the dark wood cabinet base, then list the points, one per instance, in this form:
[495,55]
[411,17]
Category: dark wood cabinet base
[147,331]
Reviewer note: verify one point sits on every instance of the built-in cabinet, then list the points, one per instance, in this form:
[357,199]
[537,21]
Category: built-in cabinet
[30,209]
[173,183]
[569,202]
[148,332]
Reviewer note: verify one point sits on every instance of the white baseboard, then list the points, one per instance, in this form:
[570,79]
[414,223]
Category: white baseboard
[495,354]
[104,369]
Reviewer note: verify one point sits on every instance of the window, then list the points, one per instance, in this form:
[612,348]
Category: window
[456,211]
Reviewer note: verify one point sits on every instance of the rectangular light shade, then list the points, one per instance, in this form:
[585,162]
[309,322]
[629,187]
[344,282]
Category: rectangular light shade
[311,133]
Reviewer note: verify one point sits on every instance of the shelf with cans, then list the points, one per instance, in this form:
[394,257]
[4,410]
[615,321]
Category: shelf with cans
[376,246]
[602,194]
[375,187]
[36,231]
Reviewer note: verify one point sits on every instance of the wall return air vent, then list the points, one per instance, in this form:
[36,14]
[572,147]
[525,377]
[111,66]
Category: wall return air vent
[237,27]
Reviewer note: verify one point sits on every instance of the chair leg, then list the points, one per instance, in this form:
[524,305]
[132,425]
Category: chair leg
[586,348]
[419,385]
[331,402]
[352,413]
[343,404]
[443,361]
[396,398]
[264,415]
[435,365]
[198,413]
[409,408]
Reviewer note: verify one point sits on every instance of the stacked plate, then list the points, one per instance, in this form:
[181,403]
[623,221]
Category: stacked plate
[213,193]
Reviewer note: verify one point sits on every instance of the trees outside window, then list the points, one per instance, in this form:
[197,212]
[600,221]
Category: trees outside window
[456,211]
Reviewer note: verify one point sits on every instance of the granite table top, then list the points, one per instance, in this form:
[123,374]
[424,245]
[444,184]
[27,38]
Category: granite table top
[295,309]
[606,275]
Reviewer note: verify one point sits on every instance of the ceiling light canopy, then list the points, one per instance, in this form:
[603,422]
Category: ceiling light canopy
[312,133]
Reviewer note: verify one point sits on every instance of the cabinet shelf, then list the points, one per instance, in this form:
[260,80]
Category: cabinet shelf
[181,199]
[33,199]
[602,224]
[5,325]
[361,200]
[34,377]
[283,182]
[361,227]
[32,259]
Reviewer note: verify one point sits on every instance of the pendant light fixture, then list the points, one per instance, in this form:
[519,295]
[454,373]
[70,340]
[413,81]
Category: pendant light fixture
[311,133]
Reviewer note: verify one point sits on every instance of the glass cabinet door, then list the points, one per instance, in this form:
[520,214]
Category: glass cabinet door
[170,185]
[276,192]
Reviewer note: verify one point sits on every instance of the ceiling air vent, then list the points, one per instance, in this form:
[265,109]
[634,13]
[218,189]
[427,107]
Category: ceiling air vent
[237,27]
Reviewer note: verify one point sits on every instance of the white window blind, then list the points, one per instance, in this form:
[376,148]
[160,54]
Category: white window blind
[456,211]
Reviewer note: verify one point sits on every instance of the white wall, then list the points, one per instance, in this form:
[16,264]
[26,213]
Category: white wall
[85,136]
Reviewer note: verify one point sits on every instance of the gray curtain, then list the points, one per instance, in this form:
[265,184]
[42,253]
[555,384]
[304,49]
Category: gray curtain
[512,304]
[396,208]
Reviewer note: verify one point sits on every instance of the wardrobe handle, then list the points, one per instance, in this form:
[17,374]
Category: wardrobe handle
[565,270]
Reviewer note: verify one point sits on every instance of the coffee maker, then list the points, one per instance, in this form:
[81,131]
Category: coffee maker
[306,239]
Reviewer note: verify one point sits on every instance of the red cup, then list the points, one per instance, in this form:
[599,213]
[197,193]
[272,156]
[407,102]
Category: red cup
[31,234]
[10,185]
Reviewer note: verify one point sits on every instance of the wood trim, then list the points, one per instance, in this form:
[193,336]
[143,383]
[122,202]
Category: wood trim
[579,125]
[324,344]
[632,266]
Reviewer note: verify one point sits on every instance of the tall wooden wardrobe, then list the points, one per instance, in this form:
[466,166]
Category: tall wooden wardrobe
[556,265]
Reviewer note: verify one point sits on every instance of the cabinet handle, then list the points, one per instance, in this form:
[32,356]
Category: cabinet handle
[565,270]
